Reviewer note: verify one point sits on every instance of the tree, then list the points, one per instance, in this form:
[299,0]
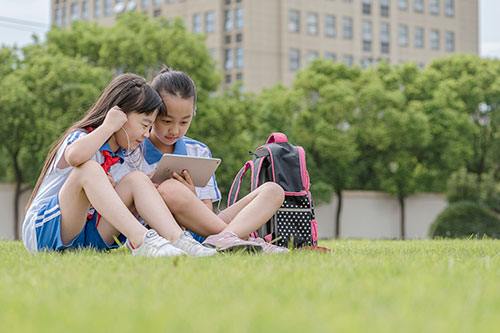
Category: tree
[139,44]
[42,96]
[323,127]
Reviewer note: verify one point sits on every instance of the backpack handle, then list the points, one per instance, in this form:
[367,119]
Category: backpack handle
[235,187]
[277,137]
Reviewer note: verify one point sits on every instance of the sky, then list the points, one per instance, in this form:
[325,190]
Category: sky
[39,11]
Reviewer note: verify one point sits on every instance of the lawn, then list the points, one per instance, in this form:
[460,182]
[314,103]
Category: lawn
[376,286]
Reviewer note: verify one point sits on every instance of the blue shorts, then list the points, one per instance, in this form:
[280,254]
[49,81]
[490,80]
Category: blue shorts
[48,231]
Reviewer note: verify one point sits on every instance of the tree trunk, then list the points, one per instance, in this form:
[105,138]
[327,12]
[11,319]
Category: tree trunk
[402,206]
[337,217]
[17,194]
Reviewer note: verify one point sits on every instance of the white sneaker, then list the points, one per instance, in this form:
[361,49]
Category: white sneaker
[155,246]
[193,248]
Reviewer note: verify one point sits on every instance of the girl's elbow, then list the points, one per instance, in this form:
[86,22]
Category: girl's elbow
[74,159]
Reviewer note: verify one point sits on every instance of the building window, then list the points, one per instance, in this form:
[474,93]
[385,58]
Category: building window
[366,63]
[63,9]
[157,12]
[239,18]
[403,4]
[449,8]
[209,22]
[85,10]
[239,38]
[367,36]
[294,21]
[228,2]
[144,4]
[348,60]
[434,7]
[157,2]
[58,17]
[132,4]
[107,7]
[450,41]
[418,6]
[331,56]
[385,37]
[384,8]
[367,7]
[294,59]
[97,8]
[434,37]
[238,1]
[330,26]
[228,25]
[239,57]
[75,15]
[312,24]
[311,55]
[212,53]
[347,28]
[197,23]
[228,78]
[403,35]
[170,1]
[239,76]
[419,37]
[228,39]
[228,60]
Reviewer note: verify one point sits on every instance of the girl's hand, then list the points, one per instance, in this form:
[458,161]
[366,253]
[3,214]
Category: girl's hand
[111,179]
[115,119]
[186,180]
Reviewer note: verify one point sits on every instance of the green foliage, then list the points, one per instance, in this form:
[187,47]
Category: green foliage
[138,44]
[467,186]
[465,218]
[42,97]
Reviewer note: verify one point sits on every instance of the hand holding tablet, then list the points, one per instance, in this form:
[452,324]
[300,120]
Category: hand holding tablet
[200,169]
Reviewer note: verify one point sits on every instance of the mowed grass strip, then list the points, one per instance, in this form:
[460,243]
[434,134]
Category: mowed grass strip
[376,286]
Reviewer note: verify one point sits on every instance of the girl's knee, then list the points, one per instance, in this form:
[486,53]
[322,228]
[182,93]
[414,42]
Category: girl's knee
[136,176]
[174,193]
[273,191]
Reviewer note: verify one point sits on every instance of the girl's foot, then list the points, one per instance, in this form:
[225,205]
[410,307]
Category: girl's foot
[228,241]
[191,247]
[154,246]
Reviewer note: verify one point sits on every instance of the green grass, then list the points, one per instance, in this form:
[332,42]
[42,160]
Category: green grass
[376,286]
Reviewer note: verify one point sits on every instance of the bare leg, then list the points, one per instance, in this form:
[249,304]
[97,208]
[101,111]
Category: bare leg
[247,215]
[252,211]
[137,191]
[88,184]
[189,211]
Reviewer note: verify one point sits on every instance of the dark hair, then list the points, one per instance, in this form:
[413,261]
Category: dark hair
[128,91]
[175,83]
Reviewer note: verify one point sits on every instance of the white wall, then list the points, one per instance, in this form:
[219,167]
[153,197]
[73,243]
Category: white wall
[377,215]
[7,210]
[364,214]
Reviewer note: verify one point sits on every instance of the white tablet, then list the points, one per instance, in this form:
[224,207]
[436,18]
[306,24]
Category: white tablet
[200,168]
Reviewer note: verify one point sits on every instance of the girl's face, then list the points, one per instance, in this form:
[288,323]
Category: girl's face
[138,127]
[170,128]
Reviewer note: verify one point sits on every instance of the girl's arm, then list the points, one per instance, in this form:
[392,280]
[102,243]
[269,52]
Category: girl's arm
[84,148]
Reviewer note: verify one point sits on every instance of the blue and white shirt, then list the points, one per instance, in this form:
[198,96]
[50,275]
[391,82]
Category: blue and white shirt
[184,146]
[54,180]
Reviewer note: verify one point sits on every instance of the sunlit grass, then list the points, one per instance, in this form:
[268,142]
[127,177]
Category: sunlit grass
[413,286]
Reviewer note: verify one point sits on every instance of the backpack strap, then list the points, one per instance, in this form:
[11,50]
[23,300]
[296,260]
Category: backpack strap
[235,190]
[277,138]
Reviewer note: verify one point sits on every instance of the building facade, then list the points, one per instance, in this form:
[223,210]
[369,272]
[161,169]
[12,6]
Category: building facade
[264,42]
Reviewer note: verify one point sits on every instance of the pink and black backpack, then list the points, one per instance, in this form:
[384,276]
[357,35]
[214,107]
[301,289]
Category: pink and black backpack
[279,161]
